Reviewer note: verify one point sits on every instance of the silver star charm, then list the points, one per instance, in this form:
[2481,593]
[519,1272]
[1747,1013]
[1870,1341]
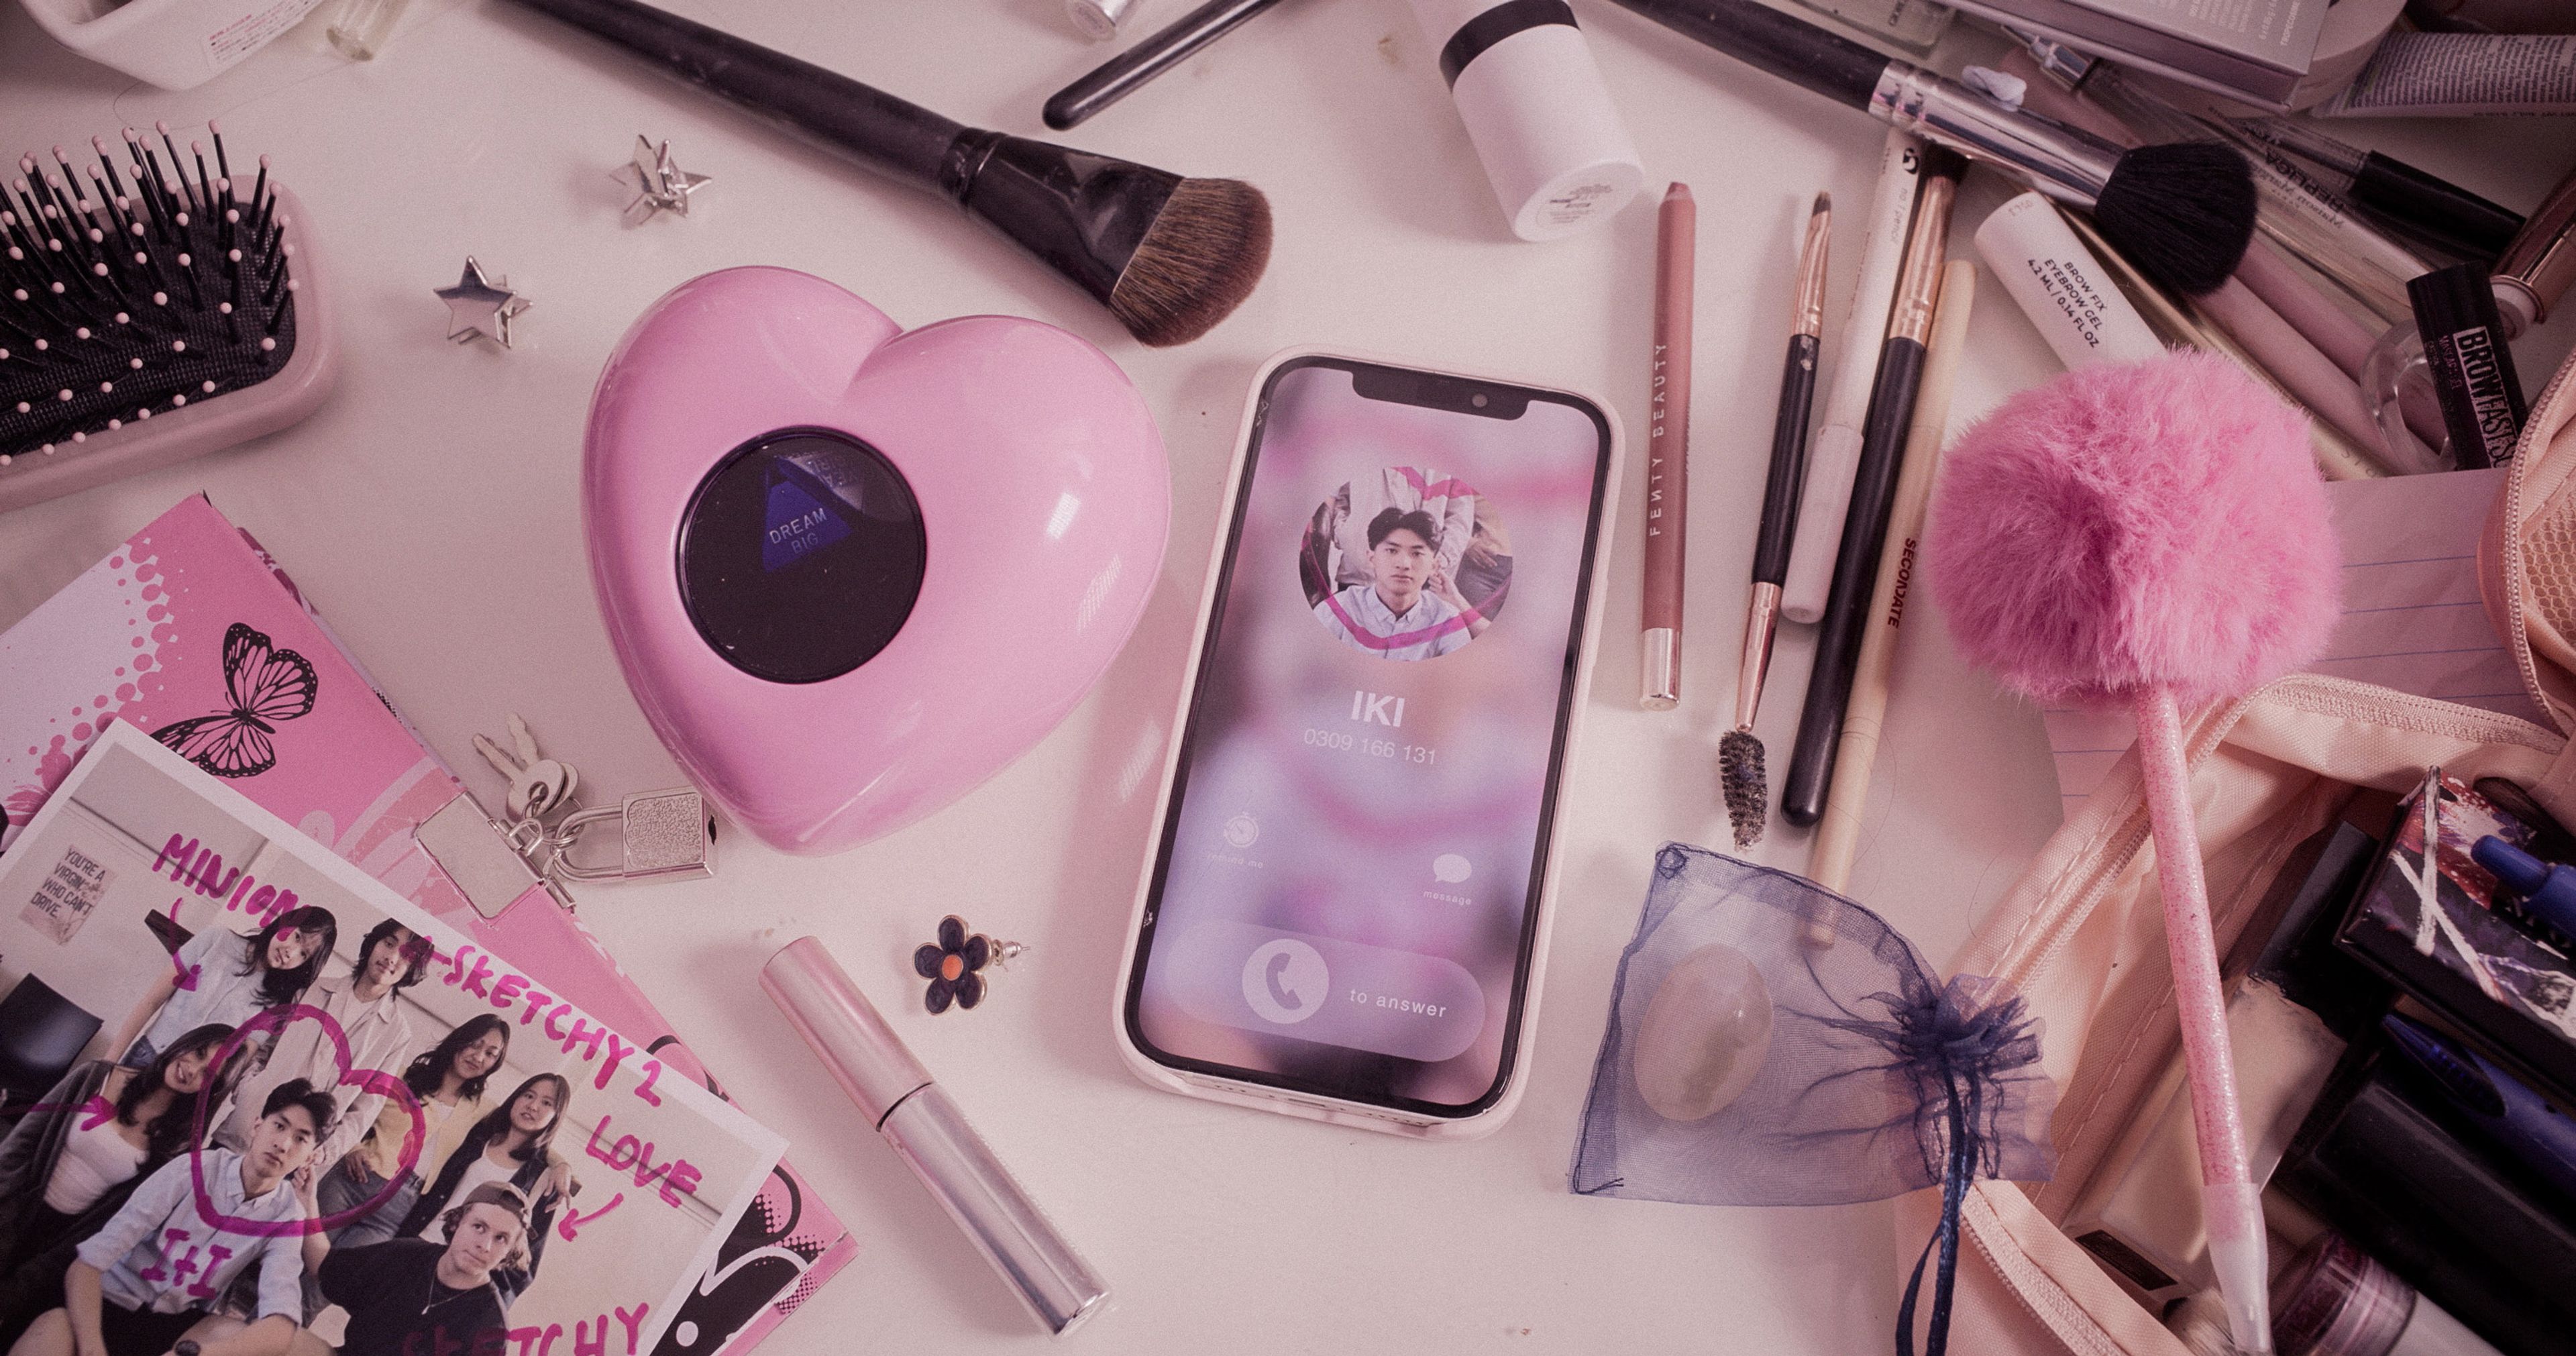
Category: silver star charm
[476,305]
[660,185]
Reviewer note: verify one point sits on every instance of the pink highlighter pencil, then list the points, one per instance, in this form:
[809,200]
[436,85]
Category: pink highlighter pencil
[1668,450]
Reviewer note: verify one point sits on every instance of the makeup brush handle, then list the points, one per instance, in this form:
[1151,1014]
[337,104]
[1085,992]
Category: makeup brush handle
[1119,76]
[1775,43]
[1787,482]
[899,139]
[1839,634]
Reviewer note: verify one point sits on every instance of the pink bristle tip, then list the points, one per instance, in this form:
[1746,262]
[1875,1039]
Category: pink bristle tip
[2158,524]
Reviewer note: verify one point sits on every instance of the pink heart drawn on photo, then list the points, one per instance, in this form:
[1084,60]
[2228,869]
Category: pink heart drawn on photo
[366,1081]
[187,978]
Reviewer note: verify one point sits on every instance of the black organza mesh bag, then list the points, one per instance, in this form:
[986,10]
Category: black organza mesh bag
[1877,1079]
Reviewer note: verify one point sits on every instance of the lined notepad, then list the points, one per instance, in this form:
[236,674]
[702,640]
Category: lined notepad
[2411,615]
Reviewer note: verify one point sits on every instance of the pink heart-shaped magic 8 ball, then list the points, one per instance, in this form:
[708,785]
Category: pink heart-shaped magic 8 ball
[852,571]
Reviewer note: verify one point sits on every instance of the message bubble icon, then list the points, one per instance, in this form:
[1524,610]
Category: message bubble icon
[1449,868]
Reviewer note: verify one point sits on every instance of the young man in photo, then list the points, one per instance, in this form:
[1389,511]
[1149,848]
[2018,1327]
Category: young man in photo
[412,1297]
[154,1272]
[363,1002]
[1408,609]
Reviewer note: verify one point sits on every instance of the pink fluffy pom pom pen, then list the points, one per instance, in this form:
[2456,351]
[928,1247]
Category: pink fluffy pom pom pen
[2150,535]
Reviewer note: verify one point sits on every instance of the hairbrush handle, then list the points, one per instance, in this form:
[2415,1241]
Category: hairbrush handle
[2230,1198]
[899,139]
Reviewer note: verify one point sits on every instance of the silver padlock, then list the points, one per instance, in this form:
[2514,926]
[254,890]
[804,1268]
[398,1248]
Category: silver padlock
[664,835]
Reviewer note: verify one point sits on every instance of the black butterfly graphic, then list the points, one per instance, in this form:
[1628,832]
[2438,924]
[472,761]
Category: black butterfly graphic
[262,685]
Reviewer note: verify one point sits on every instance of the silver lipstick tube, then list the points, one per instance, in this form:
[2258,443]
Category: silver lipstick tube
[930,1134]
[2065,163]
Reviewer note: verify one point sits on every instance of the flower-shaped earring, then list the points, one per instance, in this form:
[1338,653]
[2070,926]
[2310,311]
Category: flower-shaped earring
[954,964]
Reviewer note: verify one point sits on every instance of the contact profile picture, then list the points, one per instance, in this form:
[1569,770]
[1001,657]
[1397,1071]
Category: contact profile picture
[1405,563]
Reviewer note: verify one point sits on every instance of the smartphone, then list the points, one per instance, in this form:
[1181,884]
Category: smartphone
[1345,912]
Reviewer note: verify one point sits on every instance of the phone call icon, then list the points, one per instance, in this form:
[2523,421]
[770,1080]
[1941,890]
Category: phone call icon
[1285,981]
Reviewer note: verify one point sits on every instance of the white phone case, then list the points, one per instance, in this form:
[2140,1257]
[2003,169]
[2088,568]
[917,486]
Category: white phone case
[1338,1111]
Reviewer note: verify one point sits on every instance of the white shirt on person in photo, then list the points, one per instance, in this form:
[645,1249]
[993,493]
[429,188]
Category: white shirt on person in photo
[221,993]
[160,1254]
[1428,629]
[94,1158]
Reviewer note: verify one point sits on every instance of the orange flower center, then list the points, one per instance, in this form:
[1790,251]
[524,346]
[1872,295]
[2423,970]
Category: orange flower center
[951,966]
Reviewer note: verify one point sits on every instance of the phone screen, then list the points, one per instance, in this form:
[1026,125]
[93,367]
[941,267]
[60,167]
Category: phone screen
[1344,898]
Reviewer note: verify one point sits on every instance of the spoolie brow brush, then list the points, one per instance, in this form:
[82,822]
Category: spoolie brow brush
[1741,777]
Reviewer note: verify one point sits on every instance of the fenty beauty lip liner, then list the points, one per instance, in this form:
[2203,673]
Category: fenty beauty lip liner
[1668,451]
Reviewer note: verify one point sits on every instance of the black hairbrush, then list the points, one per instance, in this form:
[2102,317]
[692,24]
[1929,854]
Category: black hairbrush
[147,316]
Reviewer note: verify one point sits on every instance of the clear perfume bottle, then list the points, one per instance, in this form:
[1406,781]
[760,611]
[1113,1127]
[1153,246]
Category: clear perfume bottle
[361,27]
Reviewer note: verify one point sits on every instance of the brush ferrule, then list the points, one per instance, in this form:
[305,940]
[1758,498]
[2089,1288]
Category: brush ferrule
[1661,687]
[1807,304]
[2065,163]
[1760,621]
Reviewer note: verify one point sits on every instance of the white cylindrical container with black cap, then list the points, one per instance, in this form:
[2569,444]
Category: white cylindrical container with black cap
[1552,143]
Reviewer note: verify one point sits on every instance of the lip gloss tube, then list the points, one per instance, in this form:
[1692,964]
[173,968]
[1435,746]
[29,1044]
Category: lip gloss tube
[930,1134]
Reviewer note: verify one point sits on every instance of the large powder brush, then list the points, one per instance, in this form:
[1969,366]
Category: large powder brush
[2152,536]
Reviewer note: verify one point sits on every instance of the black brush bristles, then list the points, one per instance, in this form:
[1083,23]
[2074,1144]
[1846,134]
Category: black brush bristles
[1197,262]
[135,293]
[1744,785]
[2183,213]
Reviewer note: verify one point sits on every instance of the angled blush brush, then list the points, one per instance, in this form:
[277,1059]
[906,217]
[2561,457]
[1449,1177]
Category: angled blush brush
[1169,256]
[2184,212]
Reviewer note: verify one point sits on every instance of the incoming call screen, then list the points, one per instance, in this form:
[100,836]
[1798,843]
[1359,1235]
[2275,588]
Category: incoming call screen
[1347,874]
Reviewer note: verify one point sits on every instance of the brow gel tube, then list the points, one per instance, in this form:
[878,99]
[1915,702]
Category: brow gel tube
[930,1134]
[2482,404]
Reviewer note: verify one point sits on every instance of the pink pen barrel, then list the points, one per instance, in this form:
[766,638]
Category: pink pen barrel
[2230,1200]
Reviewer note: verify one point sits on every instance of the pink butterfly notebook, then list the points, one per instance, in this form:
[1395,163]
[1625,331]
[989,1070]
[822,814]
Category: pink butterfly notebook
[193,634]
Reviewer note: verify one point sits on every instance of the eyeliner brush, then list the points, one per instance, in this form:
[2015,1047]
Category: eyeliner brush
[1882,452]
[1741,777]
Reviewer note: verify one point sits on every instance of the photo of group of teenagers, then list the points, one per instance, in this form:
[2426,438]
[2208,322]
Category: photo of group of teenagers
[302,1125]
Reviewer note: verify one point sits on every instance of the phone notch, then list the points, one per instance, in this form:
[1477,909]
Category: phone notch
[1440,391]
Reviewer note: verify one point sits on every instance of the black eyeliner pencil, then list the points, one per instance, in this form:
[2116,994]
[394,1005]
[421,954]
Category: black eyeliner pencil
[1882,449]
